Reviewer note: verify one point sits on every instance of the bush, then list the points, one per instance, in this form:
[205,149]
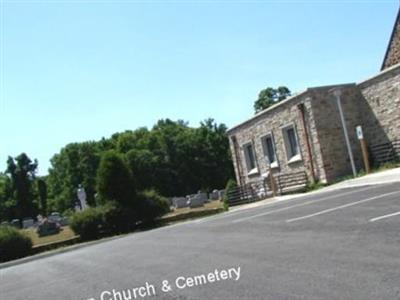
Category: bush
[88,223]
[231,185]
[118,219]
[112,217]
[13,244]
[151,206]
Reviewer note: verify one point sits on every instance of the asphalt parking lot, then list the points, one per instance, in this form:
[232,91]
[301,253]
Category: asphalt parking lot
[342,244]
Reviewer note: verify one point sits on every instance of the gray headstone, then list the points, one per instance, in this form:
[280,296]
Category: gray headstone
[196,201]
[214,195]
[54,217]
[28,223]
[202,196]
[179,202]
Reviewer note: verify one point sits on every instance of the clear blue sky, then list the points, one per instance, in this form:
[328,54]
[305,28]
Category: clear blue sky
[81,70]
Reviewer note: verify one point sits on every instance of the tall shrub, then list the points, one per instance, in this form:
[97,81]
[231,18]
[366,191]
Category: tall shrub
[114,180]
[230,186]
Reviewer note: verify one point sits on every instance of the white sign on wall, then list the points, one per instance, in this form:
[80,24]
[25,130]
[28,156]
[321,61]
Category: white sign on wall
[359,131]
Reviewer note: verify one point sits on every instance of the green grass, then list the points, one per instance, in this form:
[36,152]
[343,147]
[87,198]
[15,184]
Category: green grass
[65,234]
[314,186]
[185,210]
[387,166]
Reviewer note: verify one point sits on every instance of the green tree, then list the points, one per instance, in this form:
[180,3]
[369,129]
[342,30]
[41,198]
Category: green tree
[76,164]
[42,189]
[172,158]
[143,164]
[7,203]
[270,96]
[114,180]
[22,172]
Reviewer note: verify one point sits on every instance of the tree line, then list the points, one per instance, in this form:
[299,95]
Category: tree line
[171,158]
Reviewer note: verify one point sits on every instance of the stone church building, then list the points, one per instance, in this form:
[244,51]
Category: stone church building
[304,133]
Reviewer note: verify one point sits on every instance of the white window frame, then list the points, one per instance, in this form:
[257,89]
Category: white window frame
[250,170]
[291,157]
[274,163]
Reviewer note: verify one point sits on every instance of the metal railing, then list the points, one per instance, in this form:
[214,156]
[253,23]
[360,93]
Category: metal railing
[247,193]
[291,182]
[385,152]
[260,189]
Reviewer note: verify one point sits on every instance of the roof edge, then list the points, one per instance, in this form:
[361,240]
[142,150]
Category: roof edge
[381,73]
[397,20]
[291,98]
[259,114]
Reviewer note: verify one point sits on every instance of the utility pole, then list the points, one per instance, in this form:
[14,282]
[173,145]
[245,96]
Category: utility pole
[337,93]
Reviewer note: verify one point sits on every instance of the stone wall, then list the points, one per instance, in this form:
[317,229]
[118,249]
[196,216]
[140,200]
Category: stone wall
[381,109]
[335,156]
[328,147]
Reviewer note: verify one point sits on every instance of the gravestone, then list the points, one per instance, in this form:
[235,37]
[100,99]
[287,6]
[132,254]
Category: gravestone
[55,217]
[28,223]
[196,201]
[179,202]
[15,223]
[202,196]
[48,227]
[214,195]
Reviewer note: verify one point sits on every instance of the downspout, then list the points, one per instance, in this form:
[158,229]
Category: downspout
[238,166]
[303,119]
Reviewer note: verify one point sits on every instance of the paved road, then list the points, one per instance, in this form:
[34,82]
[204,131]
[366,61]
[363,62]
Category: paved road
[335,245]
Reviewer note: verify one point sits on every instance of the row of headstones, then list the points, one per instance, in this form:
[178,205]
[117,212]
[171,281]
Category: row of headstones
[196,200]
[31,223]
